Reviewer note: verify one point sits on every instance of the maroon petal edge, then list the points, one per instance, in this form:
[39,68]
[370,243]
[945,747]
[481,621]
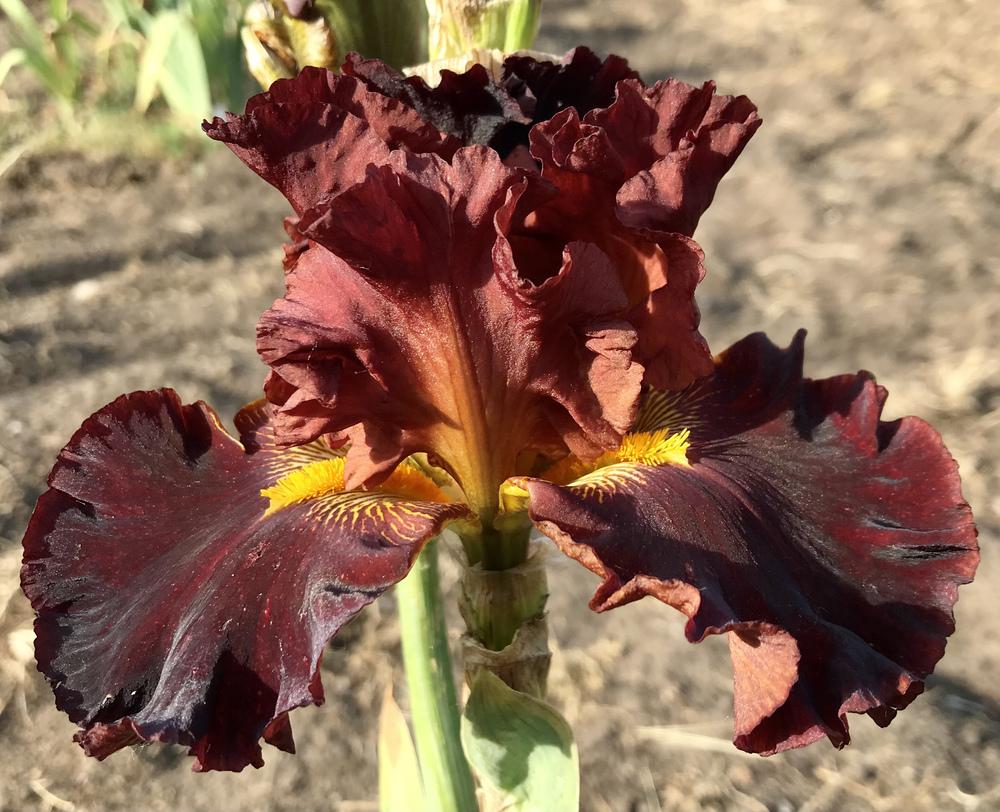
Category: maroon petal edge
[828,544]
[169,607]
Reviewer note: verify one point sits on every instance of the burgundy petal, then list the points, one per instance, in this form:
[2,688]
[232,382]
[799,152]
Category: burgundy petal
[581,80]
[172,605]
[635,176]
[313,135]
[828,543]
[673,192]
[658,270]
[630,169]
[663,150]
[469,106]
[410,324]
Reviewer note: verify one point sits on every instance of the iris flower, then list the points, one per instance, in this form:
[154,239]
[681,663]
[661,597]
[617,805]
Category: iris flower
[489,313]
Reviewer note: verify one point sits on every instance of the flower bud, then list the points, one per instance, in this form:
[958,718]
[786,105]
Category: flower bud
[277,45]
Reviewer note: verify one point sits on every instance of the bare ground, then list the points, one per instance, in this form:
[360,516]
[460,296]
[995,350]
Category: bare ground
[866,209]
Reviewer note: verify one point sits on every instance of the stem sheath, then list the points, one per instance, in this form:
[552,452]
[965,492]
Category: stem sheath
[447,779]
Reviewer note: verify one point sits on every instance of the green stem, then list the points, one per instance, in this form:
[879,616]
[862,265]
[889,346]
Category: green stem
[448,783]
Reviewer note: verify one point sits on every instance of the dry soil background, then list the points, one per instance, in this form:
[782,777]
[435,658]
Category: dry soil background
[866,209]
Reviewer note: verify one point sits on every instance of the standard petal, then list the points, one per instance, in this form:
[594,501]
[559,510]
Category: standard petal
[476,109]
[663,150]
[409,322]
[581,80]
[828,543]
[658,270]
[177,603]
[469,106]
[635,175]
[314,134]
[674,191]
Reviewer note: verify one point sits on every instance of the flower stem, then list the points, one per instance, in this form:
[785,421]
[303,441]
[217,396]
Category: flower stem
[448,785]
[504,613]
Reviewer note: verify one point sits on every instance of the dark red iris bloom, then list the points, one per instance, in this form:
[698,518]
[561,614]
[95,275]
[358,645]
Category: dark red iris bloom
[490,307]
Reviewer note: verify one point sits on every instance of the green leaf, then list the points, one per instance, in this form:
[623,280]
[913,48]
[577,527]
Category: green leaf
[399,786]
[520,748]
[521,25]
[394,31]
[37,51]
[159,37]
[59,10]
[29,30]
[172,63]
[184,79]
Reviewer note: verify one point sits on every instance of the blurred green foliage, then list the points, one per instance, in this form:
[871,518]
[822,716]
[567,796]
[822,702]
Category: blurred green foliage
[130,53]
[50,49]
[105,60]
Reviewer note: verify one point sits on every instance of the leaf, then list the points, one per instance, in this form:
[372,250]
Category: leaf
[391,30]
[184,79]
[36,51]
[59,10]
[30,32]
[159,36]
[172,63]
[520,748]
[399,786]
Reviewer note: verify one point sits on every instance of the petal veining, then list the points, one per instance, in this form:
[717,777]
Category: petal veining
[827,543]
[174,603]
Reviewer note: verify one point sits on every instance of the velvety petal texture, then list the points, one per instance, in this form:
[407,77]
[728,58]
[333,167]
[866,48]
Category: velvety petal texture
[636,176]
[613,164]
[177,603]
[314,135]
[470,107]
[581,80]
[827,543]
[406,326]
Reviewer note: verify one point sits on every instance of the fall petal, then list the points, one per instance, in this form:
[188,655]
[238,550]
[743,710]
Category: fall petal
[175,602]
[827,543]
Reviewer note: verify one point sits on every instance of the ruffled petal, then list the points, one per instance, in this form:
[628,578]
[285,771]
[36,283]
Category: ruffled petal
[827,543]
[407,326]
[674,191]
[314,134]
[658,270]
[635,175]
[469,106]
[629,168]
[658,152]
[581,80]
[477,109]
[177,603]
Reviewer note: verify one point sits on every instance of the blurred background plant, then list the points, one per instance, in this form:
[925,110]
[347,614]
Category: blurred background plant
[49,49]
[91,74]
[138,75]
